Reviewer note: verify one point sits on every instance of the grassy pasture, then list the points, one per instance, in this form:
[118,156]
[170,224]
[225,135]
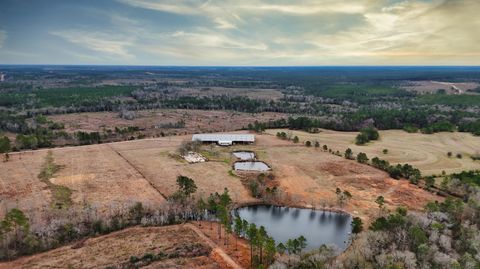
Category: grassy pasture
[426,152]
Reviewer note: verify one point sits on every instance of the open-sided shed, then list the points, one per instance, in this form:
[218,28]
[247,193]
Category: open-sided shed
[224,139]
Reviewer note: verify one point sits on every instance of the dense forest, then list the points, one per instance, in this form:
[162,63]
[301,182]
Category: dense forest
[338,98]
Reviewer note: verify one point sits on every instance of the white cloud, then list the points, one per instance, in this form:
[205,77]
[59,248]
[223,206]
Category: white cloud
[109,44]
[179,7]
[308,7]
[411,32]
[303,7]
[216,41]
[224,24]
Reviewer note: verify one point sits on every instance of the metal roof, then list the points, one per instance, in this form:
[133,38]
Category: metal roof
[224,137]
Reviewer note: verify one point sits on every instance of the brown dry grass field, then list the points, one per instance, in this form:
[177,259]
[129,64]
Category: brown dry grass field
[311,176]
[426,152]
[115,249]
[195,120]
[98,177]
[20,186]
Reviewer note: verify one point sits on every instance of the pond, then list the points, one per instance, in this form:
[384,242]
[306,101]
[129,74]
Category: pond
[317,226]
[244,155]
[251,166]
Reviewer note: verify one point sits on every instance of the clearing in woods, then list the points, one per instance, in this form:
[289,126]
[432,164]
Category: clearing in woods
[164,120]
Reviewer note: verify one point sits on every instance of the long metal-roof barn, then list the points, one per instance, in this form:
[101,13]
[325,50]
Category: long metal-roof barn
[224,139]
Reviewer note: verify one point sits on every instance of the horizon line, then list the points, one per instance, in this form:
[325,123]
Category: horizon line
[238,66]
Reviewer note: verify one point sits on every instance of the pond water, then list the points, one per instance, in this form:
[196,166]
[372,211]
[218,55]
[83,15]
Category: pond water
[244,155]
[251,166]
[317,226]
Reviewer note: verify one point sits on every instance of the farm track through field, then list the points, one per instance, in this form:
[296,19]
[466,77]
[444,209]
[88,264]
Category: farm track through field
[138,171]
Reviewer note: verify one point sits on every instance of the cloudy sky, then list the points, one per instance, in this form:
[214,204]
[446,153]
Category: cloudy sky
[246,32]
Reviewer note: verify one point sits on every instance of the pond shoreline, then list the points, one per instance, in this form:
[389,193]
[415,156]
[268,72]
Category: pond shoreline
[319,227]
[299,206]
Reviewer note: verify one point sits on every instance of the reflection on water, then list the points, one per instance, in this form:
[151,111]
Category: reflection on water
[282,223]
[251,166]
[244,155]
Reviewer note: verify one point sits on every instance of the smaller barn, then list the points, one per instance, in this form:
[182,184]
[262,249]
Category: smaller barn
[224,139]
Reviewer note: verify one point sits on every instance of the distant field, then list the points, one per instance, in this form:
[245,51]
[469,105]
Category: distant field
[195,120]
[426,152]
[430,86]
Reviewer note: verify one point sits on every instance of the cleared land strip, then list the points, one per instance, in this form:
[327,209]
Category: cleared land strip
[136,169]
[230,262]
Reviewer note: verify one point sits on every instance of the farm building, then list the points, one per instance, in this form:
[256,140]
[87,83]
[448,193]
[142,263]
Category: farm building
[224,139]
